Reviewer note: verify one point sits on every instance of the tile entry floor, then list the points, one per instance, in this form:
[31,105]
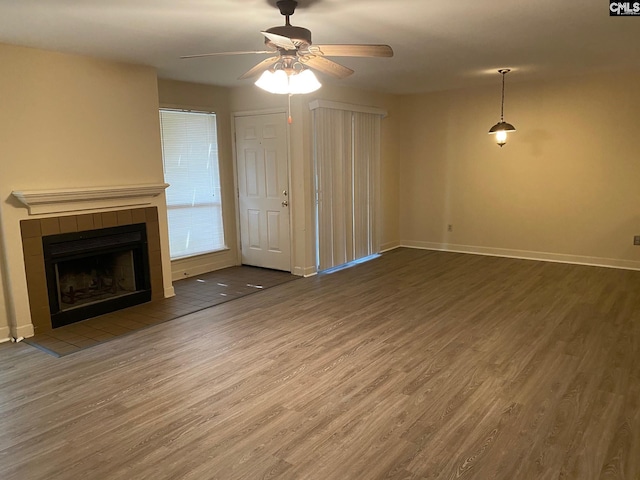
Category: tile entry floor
[192,294]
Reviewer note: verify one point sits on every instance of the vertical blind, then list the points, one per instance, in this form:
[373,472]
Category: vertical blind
[347,157]
[190,158]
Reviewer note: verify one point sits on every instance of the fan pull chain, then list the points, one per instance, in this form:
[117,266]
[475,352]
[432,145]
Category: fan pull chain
[290,120]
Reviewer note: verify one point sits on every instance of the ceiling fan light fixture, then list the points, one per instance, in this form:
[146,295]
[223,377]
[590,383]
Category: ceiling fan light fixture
[273,82]
[501,128]
[303,82]
[292,83]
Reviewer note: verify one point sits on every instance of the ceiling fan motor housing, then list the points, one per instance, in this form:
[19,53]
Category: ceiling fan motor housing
[298,35]
[287,7]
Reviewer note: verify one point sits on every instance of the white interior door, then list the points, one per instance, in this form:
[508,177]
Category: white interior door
[263,190]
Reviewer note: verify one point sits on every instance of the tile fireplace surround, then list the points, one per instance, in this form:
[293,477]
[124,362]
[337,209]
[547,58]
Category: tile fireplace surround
[33,230]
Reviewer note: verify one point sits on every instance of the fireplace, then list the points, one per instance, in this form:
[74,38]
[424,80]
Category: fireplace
[120,250]
[94,272]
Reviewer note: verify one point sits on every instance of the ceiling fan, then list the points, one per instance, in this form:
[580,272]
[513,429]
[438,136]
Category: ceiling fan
[294,50]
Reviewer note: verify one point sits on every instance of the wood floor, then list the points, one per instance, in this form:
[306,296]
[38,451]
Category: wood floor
[192,294]
[416,365]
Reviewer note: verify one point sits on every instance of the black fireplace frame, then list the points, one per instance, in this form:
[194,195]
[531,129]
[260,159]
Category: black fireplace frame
[71,246]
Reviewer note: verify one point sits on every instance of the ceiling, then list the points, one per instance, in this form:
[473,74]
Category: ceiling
[438,44]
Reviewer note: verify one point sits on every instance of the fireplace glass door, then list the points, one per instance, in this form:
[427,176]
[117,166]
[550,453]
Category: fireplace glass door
[95,272]
[95,279]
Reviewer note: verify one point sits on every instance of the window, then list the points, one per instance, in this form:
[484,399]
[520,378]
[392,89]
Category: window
[194,206]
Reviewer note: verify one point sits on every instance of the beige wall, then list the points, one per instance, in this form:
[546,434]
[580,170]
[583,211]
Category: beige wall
[5,331]
[565,187]
[174,94]
[251,99]
[70,122]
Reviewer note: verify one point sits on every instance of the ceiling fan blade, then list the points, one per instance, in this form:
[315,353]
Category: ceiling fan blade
[328,66]
[227,53]
[261,67]
[352,50]
[280,41]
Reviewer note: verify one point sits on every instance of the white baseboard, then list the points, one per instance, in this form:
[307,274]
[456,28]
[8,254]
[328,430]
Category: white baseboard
[169,292]
[385,247]
[24,331]
[304,271]
[526,255]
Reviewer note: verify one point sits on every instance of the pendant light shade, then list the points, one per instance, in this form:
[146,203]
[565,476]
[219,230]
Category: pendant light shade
[501,128]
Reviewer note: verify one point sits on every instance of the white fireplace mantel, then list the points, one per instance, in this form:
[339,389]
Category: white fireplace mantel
[90,198]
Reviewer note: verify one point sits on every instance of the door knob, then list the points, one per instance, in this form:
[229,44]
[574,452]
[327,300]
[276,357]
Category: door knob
[285,204]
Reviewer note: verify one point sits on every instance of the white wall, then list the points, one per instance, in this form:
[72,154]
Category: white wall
[70,122]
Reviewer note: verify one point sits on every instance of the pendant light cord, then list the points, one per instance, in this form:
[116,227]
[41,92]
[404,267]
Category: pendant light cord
[502,104]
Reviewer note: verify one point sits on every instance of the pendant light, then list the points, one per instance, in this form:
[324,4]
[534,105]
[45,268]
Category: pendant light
[502,128]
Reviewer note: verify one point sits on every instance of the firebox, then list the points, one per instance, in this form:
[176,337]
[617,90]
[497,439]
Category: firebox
[95,272]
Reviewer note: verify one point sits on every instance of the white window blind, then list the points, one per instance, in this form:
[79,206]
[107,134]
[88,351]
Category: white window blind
[194,207]
[347,157]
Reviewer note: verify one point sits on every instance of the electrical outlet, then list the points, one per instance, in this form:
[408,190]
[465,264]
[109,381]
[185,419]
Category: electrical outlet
[450,228]
[636,240]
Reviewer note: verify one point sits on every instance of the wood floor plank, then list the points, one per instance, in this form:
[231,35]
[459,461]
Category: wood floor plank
[414,365]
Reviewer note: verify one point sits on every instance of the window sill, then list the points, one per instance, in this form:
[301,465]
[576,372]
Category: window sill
[220,251]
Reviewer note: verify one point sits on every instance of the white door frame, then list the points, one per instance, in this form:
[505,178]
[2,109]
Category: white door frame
[251,113]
